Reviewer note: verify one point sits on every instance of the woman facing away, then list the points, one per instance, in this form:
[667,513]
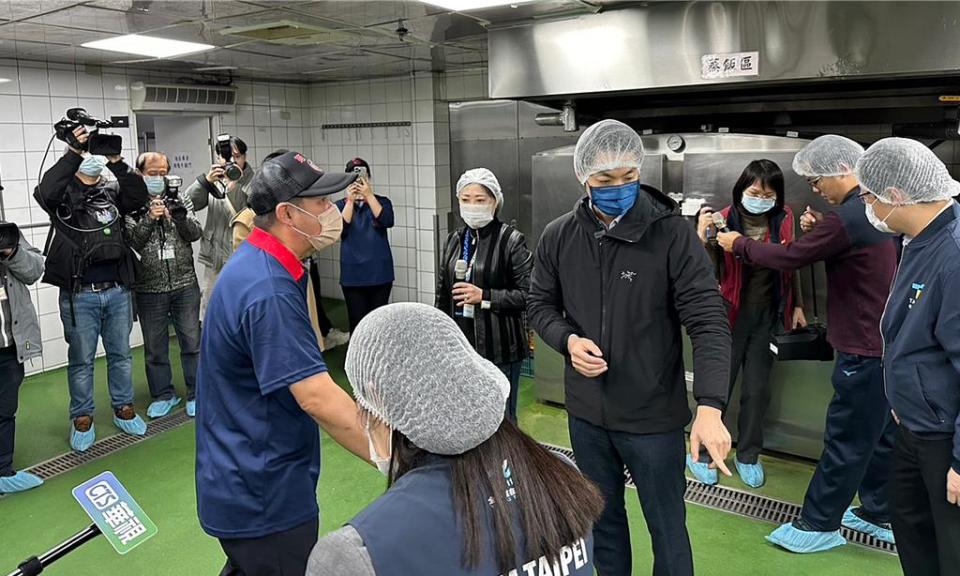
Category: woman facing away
[468,492]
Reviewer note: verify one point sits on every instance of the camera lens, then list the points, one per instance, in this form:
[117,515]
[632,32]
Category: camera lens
[232,171]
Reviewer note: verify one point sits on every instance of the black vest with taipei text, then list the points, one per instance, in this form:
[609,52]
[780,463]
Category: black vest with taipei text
[412,529]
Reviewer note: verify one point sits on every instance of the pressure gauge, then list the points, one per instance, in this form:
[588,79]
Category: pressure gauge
[675,143]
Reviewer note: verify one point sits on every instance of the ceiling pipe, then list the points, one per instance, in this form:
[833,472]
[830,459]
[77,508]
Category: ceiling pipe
[567,118]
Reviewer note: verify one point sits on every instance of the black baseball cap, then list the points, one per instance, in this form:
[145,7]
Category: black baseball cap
[292,175]
[358,163]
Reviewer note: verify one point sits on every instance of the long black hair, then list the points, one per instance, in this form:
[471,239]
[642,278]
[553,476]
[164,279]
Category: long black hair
[557,505]
[768,174]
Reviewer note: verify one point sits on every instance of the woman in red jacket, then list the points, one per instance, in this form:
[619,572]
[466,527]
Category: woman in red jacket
[760,301]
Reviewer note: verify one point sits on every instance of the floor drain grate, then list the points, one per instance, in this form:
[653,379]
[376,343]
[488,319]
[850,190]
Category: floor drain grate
[67,462]
[749,505]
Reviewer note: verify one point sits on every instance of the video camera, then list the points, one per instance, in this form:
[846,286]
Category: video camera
[170,197]
[102,144]
[9,235]
[225,151]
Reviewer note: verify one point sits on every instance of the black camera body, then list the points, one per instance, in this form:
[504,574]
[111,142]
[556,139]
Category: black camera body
[171,199]
[225,151]
[102,144]
[9,235]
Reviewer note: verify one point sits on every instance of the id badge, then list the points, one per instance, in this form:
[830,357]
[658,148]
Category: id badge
[167,253]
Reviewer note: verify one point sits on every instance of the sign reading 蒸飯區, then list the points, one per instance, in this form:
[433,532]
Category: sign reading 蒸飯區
[115,512]
[729,65]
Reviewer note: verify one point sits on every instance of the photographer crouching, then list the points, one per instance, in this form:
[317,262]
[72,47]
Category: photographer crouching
[20,266]
[162,233]
[222,191]
[89,260]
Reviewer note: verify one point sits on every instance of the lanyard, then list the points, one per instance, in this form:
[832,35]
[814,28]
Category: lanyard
[465,254]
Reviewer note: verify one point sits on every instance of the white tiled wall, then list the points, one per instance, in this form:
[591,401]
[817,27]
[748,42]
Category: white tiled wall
[268,116]
[410,165]
[405,165]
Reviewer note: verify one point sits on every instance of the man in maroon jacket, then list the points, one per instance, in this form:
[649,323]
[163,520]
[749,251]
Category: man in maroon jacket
[860,263]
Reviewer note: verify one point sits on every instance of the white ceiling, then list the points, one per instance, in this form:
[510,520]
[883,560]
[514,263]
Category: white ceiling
[366,43]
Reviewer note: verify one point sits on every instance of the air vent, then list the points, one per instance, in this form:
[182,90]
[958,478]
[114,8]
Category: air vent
[290,33]
[182,97]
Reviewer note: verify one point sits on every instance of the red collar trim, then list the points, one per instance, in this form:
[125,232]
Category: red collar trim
[272,246]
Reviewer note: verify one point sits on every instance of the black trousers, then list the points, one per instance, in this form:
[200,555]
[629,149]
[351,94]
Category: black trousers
[751,359]
[11,376]
[322,320]
[925,524]
[362,300]
[280,554]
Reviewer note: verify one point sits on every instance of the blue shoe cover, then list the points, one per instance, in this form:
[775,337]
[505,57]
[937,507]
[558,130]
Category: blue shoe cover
[80,441]
[854,522]
[751,474]
[135,426]
[804,542]
[161,408]
[702,471]
[19,482]
[191,408]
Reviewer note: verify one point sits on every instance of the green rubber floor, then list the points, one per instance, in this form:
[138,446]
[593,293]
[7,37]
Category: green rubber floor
[159,474]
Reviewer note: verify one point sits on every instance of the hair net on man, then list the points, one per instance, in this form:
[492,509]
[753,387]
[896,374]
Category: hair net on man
[829,155]
[607,145]
[904,171]
[412,368]
[483,177]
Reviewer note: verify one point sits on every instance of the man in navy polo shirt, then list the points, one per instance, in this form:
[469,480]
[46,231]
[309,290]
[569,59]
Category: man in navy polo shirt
[263,386]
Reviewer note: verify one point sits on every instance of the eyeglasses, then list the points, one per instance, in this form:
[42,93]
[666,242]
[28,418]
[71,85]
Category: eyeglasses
[813,181]
[863,196]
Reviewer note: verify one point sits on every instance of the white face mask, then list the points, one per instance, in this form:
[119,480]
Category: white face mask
[382,462]
[331,226]
[476,216]
[876,222]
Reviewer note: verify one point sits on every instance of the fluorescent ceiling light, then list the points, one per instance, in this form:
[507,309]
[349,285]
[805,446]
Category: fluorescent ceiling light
[2,80]
[148,46]
[465,5]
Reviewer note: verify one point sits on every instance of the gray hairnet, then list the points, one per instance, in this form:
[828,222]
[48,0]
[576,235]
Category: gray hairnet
[907,168]
[829,155]
[412,368]
[483,177]
[607,145]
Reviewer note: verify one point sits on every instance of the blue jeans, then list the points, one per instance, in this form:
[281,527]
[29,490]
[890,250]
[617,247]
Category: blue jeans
[96,315]
[512,371]
[656,462]
[182,307]
[857,446]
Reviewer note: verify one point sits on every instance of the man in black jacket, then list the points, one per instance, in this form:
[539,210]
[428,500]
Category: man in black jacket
[613,281]
[89,260]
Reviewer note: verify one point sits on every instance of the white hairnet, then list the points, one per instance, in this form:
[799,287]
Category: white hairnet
[829,155]
[411,367]
[908,167]
[483,177]
[607,145]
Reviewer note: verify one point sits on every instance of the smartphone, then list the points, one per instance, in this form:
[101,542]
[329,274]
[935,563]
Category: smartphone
[362,171]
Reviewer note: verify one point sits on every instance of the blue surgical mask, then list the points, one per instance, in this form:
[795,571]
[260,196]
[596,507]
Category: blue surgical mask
[93,165]
[155,184]
[615,200]
[758,205]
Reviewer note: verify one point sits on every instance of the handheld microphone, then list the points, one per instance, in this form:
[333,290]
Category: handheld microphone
[460,273]
[719,222]
[80,116]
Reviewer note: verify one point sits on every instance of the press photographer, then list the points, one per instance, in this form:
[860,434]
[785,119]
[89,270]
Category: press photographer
[90,261]
[222,191]
[20,266]
[162,232]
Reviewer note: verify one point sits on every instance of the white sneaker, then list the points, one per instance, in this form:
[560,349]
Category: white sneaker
[335,338]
